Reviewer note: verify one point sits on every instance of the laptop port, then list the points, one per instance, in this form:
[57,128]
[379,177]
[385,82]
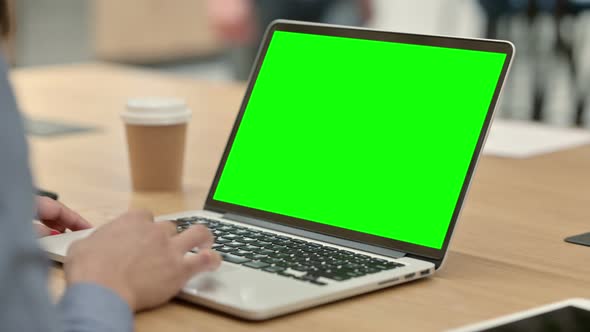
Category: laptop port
[425,272]
[409,276]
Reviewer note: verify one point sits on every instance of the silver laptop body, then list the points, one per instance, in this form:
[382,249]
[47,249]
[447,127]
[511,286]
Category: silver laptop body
[331,263]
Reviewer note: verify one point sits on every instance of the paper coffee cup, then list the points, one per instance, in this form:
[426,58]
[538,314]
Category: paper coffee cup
[156,134]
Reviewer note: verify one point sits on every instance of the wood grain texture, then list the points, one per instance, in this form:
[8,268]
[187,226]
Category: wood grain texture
[508,252]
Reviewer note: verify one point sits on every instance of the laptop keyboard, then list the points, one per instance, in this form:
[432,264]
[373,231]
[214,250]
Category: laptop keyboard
[286,256]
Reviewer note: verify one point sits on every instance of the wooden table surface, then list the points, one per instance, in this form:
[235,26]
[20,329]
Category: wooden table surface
[508,252]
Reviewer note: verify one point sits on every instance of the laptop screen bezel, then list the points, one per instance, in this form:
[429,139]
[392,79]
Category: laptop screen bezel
[429,253]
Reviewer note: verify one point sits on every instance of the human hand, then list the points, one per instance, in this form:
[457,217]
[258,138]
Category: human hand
[53,215]
[142,261]
[233,20]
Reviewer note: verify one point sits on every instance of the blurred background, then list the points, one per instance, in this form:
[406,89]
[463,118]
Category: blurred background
[217,39]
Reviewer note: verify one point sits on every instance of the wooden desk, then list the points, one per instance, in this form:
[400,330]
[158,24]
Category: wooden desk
[508,253]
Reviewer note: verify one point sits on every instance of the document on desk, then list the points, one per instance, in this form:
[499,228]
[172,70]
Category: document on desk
[52,128]
[520,139]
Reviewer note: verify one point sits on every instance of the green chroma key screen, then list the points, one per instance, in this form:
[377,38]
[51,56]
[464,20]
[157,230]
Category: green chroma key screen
[369,136]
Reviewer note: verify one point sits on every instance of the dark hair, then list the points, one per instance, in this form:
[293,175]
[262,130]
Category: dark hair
[5,22]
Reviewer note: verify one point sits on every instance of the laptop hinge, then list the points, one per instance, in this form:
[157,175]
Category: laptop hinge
[315,236]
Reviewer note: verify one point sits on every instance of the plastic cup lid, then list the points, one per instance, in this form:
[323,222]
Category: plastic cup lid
[156,111]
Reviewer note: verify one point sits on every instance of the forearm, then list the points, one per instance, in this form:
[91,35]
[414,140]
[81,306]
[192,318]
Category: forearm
[89,307]
[24,301]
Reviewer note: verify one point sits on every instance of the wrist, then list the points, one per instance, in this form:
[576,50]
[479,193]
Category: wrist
[95,305]
[73,279]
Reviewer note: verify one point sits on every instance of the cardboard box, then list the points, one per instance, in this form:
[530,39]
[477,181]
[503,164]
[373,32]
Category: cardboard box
[147,31]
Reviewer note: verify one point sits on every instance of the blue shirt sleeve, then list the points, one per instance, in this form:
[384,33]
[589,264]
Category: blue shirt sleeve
[25,304]
[87,307]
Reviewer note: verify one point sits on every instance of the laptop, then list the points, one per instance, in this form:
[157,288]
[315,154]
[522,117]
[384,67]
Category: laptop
[346,169]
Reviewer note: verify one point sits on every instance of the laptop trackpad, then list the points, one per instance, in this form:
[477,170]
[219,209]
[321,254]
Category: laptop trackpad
[237,286]
[224,268]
